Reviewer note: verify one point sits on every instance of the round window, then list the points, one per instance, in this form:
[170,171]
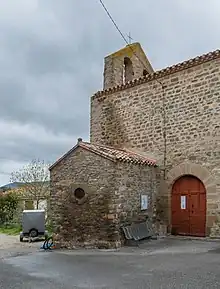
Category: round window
[79,194]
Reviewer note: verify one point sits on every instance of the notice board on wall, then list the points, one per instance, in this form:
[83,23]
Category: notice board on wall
[144,202]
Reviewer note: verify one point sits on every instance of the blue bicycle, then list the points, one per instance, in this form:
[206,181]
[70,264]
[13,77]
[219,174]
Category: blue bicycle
[48,244]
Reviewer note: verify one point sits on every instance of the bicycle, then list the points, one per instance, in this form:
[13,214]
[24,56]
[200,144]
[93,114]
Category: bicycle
[48,244]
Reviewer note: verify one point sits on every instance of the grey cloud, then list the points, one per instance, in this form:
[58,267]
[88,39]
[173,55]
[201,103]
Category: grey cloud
[69,113]
[51,57]
[36,142]
[9,89]
[48,152]
[45,59]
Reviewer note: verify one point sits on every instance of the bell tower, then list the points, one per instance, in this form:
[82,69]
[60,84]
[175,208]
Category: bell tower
[125,65]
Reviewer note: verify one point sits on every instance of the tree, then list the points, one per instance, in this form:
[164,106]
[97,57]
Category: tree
[8,206]
[35,180]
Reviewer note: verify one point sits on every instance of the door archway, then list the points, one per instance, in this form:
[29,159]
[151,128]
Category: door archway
[188,205]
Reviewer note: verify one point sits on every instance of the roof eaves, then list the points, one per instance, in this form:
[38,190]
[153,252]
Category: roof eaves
[160,73]
[97,152]
[110,156]
[86,147]
[121,157]
[63,157]
[148,160]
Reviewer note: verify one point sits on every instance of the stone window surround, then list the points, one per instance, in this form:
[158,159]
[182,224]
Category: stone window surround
[75,186]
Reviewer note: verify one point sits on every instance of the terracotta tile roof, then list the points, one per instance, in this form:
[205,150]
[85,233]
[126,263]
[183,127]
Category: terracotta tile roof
[163,72]
[112,154]
[118,154]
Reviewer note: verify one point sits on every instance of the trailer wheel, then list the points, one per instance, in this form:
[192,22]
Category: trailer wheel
[33,233]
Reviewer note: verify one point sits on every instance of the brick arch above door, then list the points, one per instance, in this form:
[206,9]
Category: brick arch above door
[196,170]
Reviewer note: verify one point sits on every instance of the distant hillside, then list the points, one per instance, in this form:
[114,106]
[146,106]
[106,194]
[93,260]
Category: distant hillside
[15,185]
[11,186]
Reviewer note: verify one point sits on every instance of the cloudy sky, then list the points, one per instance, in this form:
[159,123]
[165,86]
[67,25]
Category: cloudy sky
[51,56]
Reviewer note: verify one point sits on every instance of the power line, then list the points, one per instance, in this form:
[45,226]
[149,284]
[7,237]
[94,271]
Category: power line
[162,85]
[113,21]
[122,35]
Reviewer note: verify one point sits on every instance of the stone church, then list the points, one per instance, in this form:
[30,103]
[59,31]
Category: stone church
[154,153]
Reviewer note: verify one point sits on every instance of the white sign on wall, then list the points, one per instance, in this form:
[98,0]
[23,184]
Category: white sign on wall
[144,202]
[183,202]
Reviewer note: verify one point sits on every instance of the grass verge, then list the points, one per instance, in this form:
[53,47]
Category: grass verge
[10,229]
[15,229]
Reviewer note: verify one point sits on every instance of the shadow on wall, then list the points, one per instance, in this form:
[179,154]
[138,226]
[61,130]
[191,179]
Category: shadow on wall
[113,129]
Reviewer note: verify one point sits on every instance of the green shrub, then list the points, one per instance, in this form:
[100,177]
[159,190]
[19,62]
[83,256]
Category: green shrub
[8,206]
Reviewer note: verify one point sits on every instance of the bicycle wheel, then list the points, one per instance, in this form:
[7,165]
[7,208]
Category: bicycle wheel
[49,243]
[45,245]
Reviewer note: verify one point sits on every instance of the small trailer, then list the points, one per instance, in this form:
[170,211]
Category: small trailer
[33,225]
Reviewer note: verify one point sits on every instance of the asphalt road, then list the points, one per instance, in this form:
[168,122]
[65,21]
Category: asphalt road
[160,264]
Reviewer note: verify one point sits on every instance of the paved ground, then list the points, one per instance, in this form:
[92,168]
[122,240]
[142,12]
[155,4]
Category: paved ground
[10,245]
[159,264]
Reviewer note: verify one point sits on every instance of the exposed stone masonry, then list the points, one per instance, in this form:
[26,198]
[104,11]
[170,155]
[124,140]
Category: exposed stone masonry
[133,118]
[156,75]
[172,117]
[113,69]
[85,223]
[112,198]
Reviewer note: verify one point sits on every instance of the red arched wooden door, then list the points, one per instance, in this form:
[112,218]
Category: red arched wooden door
[188,205]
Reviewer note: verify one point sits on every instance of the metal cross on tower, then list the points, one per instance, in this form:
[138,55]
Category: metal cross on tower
[129,38]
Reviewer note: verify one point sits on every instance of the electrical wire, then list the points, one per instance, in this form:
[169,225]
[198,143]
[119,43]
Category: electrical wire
[115,24]
[120,32]
[122,35]
[162,85]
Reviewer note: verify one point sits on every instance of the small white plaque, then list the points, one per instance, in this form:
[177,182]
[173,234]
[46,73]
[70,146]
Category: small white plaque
[144,202]
[183,202]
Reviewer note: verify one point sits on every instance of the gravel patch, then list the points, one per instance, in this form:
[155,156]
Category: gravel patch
[7,242]
[11,246]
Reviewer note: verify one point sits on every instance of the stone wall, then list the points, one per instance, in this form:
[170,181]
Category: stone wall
[134,118]
[112,198]
[131,181]
[113,67]
[86,222]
